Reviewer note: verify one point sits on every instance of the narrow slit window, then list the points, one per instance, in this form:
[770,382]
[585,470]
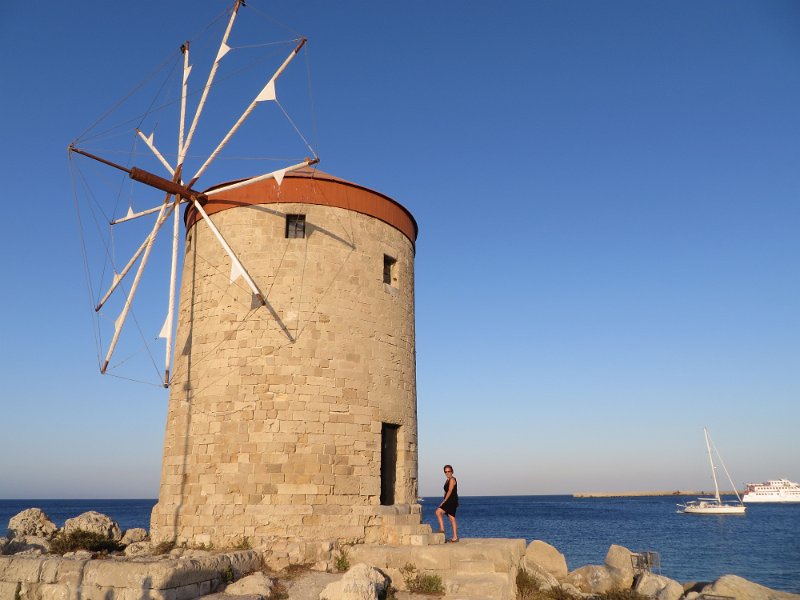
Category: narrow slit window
[295,226]
[389,270]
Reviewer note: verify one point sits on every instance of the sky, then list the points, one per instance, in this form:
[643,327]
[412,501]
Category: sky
[608,197]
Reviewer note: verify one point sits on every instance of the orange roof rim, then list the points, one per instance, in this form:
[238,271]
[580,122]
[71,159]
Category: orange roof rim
[308,186]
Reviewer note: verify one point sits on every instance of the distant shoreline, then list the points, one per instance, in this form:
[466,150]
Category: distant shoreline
[636,494]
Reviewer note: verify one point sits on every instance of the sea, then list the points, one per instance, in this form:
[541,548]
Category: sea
[762,546]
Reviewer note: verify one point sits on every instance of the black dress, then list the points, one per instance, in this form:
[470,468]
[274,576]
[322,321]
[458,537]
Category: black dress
[451,504]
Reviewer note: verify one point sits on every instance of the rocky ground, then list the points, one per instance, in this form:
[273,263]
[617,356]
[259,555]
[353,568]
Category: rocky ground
[40,561]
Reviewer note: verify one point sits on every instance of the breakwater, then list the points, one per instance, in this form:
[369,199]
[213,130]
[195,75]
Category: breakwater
[650,493]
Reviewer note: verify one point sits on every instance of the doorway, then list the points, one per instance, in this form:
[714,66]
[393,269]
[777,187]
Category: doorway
[388,462]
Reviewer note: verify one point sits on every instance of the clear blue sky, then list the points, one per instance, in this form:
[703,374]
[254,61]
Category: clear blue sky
[608,196]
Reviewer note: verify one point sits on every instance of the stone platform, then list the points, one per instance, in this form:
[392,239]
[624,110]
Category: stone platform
[472,569]
[52,577]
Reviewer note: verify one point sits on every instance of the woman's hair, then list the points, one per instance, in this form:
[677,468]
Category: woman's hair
[448,467]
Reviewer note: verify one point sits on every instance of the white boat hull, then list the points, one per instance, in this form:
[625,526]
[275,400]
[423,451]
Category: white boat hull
[712,508]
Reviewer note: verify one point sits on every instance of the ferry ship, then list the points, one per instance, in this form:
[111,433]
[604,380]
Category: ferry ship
[774,490]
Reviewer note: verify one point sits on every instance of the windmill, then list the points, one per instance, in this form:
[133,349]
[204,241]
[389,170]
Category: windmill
[292,404]
[178,189]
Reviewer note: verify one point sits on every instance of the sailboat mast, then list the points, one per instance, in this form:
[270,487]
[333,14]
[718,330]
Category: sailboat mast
[713,468]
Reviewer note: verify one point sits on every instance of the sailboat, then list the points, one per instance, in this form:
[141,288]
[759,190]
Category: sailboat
[715,505]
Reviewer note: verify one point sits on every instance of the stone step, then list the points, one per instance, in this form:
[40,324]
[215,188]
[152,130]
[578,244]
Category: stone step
[422,539]
[413,536]
[410,519]
[489,586]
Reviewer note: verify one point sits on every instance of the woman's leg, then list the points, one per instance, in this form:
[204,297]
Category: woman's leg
[454,526]
[439,515]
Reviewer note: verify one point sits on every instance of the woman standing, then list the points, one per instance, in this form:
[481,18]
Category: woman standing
[449,503]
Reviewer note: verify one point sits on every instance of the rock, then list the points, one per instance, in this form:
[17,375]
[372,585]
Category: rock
[32,521]
[361,582]
[78,554]
[256,584]
[131,536]
[309,584]
[187,553]
[547,557]
[741,589]
[138,549]
[658,587]
[27,544]
[592,579]
[618,560]
[546,580]
[226,596]
[94,522]
[3,543]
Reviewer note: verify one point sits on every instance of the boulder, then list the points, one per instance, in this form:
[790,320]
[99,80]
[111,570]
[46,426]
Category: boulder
[32,521]
[592,579]
[226,596]
[618,560]
[188,553]
[138,549]
[94,522]
[131,536]
[658,587]
[256,584]
[28,544]
[546,580]
[742,589]
[547,557]
[361,582]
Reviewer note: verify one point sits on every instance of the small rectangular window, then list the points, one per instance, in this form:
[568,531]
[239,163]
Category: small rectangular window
[389,270]
[295,226]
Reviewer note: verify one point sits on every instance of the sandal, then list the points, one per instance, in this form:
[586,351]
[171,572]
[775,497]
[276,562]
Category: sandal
[453,541]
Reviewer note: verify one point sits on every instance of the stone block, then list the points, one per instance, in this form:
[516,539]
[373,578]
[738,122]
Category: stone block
[496,586]
[474,566]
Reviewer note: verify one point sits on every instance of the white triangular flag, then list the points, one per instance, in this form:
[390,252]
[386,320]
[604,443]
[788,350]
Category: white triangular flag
[118,322]
[186,72]
[117,277]
[223,50]
[130,212]
[268,93]
[236,270]
[149,139]
[279,176]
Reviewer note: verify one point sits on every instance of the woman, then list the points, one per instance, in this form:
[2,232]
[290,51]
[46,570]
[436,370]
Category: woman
[449,503]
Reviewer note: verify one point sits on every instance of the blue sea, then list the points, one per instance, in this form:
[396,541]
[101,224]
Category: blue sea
[762,546]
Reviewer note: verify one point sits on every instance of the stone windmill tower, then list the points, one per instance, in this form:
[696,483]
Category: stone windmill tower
[292,409]
[298,418]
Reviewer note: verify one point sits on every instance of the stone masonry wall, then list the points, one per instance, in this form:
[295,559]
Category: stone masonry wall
[275,412]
